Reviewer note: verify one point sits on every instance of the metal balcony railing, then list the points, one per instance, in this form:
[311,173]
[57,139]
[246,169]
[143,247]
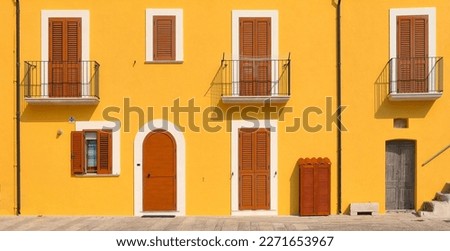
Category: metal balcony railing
[253,77]
[415,75]
[59,80]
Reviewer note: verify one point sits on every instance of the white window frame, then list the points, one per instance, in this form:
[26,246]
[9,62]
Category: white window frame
[149,14]
[236,15]
[393,14]
[45,16]
[99,125]
[273,126]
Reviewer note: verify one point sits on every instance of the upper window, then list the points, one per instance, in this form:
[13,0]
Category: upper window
[164,35]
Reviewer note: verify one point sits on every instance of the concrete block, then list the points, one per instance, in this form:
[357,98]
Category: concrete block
[364,208]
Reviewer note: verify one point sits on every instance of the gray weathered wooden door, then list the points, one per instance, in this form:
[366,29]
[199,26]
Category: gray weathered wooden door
[400,174]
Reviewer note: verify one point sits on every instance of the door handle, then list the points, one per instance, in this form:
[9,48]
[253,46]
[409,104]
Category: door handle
[148,176]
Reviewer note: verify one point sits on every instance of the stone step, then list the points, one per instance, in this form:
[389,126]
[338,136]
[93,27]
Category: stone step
[446,188]
[442,197]
[435,208]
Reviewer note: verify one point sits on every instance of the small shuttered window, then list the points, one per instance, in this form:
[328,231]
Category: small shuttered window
[92,153]
[164,38]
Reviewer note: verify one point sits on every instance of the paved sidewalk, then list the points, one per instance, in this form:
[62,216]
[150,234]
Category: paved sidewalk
[393,222]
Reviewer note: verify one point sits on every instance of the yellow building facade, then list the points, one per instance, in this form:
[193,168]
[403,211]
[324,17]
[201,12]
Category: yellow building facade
[205,108]
[7,113]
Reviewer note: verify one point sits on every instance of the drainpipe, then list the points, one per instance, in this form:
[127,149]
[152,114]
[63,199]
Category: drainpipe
[18,106]
[339,110]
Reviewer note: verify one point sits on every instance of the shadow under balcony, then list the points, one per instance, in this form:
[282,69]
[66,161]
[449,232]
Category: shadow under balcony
[415,79]
[253,80]
[61,83]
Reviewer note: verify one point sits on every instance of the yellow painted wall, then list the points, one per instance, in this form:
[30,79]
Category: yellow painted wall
[307,30]
[117,42]
[7,122]
[369,116]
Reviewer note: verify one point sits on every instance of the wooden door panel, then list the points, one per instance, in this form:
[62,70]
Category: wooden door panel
[400,175]
[255,54]
[412,54]
[306,191]
[159,172]
[64,64]
[254,169]
[160,194]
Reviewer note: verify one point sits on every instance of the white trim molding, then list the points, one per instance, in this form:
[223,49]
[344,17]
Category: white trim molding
[45,16]
[180,162]
[393,14]
[178,13]
[235,126]
[236,15]
[98,125]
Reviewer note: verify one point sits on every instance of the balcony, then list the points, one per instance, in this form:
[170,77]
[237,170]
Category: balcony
[61,83]
[415,79]
[253,80]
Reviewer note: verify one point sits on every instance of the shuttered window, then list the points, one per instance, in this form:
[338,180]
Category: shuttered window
[91,152]
[255,56]
[412,53]
[64,57]
[164,38]
[254,169]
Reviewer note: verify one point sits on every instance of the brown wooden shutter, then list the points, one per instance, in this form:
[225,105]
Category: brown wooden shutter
[262,168]
[412,53]
[322,189]
[254,169]
[255,55]
[246,170]
[64,57]
[104,165]
[164,38]
[77,152]
[73,58]
[306,190]
[56,57]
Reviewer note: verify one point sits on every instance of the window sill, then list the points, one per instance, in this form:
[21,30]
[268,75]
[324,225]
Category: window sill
[254,99]
[427,96]
[165,62]
[63,101]
[93,175]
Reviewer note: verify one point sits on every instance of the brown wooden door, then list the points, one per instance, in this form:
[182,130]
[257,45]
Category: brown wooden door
[412,54]
[159,172]
[314,187]
[254,169]
[64,57]
[255,55]
[400,175]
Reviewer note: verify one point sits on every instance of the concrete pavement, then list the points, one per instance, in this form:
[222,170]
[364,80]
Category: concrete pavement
[391,221]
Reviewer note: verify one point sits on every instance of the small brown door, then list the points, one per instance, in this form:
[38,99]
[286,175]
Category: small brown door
[254,169]
[159,172]
[255,63]
[314,186]
[400,174]
[412,54]
[64,57]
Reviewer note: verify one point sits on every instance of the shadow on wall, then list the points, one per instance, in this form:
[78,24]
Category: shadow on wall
[386,109]
[295,191]
[57,113]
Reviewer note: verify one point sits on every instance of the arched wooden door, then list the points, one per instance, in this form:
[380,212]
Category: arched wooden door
[159,172]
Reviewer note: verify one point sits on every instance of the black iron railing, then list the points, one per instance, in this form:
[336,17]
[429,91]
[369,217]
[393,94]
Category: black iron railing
[258,77]
[51,79]
[414,75]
